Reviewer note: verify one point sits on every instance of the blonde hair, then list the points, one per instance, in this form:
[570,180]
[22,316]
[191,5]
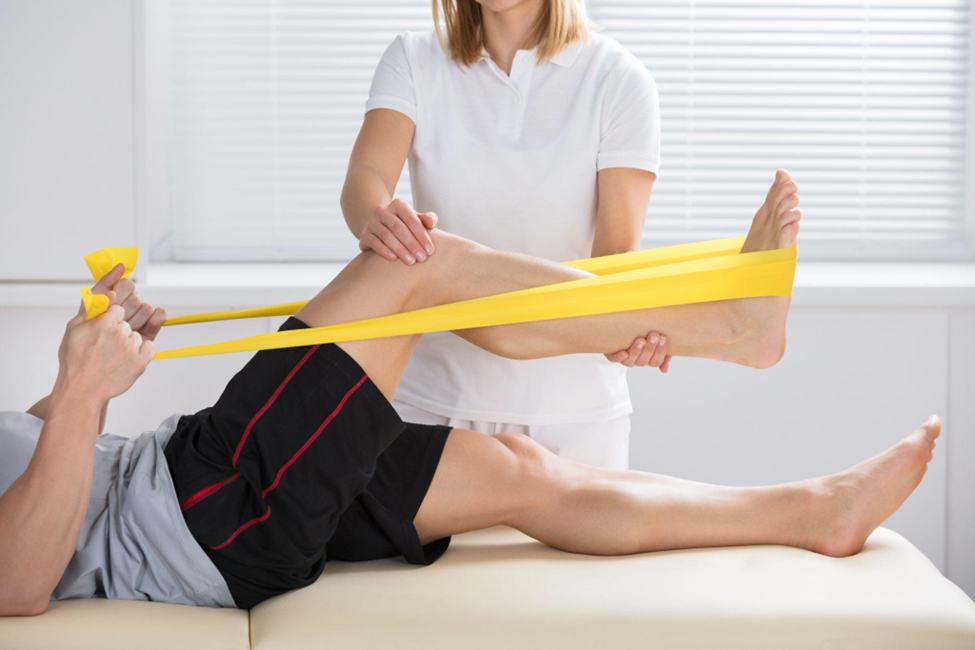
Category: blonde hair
[563,23]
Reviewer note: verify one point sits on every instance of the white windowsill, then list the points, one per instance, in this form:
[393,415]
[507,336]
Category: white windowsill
[845,284]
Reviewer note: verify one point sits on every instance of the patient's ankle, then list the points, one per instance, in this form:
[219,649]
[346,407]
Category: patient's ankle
[756,330]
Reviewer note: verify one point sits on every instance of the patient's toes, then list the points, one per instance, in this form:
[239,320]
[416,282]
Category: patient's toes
[779,192]
[789,202]
[788,235]
[791,216]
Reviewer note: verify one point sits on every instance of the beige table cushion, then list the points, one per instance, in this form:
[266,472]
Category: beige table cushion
[126,625]
[498,589]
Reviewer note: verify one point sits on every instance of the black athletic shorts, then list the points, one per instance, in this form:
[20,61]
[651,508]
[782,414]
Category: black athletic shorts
[302,459]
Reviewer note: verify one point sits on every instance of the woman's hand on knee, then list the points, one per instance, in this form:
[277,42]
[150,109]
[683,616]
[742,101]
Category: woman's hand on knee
[397,231]
[649,351]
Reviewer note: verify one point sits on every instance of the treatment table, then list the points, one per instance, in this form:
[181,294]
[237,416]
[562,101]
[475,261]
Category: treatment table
[498,589]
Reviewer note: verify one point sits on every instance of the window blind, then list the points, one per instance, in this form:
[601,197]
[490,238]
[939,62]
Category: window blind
[864,102]
[267,98]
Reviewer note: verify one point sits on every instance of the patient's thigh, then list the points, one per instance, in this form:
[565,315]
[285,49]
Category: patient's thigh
[480,482]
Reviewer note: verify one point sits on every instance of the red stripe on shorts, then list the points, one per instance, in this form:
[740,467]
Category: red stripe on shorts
[255,520]
[303,449]
[205,492]
[267,405]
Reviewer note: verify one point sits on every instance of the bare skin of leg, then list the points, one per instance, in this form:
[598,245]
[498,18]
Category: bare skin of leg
[508,479]
[749,332]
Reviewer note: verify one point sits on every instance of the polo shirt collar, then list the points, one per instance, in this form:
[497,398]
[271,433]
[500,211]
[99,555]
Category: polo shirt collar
[565,58]
[569,54]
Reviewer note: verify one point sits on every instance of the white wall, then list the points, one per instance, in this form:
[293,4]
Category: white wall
[66,133]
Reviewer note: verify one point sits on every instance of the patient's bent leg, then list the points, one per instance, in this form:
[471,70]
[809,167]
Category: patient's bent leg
[509,479]
[749,332]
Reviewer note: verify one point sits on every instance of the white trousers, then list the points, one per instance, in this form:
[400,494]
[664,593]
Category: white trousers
[603,444]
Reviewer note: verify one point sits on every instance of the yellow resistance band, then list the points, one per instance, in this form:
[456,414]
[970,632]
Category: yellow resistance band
[660,277]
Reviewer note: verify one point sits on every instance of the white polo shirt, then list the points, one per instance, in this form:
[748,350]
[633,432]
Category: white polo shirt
[511,162]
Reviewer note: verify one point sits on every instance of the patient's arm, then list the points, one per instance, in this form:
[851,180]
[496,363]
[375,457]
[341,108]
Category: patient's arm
[140,316]
[749,332]
[42,512]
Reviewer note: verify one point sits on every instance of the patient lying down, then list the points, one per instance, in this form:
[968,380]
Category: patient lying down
[303,459]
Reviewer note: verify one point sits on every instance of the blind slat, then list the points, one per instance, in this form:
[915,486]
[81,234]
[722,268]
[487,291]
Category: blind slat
[864,102]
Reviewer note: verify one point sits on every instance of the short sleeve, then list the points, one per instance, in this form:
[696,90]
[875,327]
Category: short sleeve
[19,433]
[392,84]
[630,129]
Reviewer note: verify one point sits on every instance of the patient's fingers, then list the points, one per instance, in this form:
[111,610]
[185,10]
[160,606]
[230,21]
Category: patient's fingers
[114,314]
[131,305]
[141,316]
[123,289]
[154,324]
[109,279]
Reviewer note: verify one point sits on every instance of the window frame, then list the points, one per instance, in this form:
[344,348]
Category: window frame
[152,165]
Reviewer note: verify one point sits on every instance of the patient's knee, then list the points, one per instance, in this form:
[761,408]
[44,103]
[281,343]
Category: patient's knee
[532,462]
[449,246]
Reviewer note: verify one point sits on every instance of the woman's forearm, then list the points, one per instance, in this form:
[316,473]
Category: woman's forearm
[43,511]
[363,191]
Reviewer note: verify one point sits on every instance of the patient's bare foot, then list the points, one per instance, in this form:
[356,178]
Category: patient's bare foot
[776,224]
[850,505]
[759,323]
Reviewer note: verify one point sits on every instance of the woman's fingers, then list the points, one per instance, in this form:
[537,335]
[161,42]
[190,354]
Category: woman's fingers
[413,223]
[651,351]
[429,220]
[392,242]
[633,354]
[403,222]
[646,353]
[369,241]
[397,231]
[660,353]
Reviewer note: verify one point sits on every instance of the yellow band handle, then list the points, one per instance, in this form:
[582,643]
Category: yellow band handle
[100,263]
[96,304]
[673,275]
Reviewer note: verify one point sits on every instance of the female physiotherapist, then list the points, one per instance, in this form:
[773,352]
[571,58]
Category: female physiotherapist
[530,134]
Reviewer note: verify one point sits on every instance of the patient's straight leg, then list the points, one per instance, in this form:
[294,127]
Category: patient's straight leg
[749,331]
[511,480]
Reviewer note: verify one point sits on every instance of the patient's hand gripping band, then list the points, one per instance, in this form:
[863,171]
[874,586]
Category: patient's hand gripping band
[660,277]
[100,263]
